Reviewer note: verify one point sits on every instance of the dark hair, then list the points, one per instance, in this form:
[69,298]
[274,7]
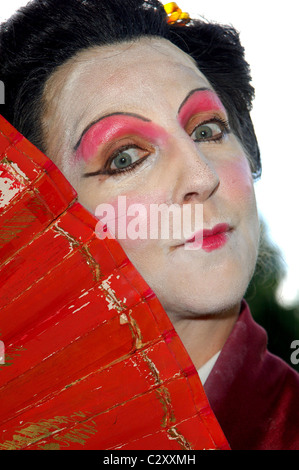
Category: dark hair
[46,33]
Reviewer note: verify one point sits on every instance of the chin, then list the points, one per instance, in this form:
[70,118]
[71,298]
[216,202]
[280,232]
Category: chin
[203,295]
[196,288]
[196,305]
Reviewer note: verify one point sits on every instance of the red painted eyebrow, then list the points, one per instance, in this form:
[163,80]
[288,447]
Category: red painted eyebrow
[199,100]
[118,124]
[114,126]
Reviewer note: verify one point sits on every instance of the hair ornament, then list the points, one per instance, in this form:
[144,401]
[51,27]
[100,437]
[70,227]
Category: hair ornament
[175,14]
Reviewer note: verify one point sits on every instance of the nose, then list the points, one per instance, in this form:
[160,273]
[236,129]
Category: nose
[196,179]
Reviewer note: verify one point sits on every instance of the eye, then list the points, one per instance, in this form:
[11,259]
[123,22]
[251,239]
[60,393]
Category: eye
[206,132]
[126,158]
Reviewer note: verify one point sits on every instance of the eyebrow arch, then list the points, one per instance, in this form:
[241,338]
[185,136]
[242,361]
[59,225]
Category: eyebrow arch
[190,94]
[104,117]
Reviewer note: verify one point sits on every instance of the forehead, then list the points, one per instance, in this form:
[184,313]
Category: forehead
[141,76]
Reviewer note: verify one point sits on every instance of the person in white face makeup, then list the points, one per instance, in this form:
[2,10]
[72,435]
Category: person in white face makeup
[128,104]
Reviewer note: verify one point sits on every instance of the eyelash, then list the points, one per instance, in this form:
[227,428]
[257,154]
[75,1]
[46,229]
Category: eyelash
[107,171]
[225,129]
[223,124]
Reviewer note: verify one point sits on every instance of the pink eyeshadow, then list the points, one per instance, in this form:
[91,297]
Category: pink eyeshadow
[199,101]
[116,126]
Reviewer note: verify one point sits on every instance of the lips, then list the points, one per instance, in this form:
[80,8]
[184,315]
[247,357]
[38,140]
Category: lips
[209,239]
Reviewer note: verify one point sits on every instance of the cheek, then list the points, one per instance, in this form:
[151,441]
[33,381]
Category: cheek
[236,178]
[240,197]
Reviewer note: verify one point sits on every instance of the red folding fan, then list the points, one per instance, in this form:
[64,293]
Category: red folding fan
[91,360]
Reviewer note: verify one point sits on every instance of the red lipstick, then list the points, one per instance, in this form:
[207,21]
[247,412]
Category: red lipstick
[209,239]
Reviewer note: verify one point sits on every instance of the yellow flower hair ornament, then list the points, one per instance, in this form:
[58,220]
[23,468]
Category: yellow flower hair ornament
[175,14]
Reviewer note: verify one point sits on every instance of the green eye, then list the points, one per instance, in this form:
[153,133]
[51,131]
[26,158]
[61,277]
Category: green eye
[126,158]
[206,132]
[122,160]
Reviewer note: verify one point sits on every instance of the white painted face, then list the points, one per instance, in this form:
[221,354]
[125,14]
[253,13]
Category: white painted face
[140,120]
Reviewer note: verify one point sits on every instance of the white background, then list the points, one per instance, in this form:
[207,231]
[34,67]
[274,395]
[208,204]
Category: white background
[269,33]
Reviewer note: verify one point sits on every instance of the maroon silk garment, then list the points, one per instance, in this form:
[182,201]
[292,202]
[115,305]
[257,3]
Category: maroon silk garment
[254,394]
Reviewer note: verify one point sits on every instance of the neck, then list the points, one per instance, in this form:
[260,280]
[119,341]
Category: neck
[205,335]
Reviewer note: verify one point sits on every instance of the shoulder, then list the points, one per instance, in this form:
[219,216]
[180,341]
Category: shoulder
[253,393]
[281,403]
